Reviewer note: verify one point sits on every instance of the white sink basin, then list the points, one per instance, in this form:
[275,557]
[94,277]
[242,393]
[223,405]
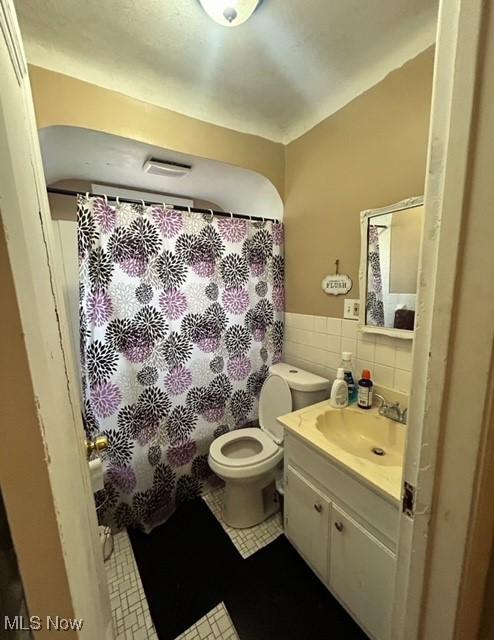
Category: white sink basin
[368,436]
[365,443]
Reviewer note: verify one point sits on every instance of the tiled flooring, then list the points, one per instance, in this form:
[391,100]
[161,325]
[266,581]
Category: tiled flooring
[247,541]
[130,611]
[216,625]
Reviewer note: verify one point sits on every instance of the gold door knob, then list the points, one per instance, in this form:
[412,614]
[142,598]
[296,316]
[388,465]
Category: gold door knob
[98,445]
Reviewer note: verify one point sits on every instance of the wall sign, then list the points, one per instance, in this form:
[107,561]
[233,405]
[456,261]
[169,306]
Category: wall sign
[337,285]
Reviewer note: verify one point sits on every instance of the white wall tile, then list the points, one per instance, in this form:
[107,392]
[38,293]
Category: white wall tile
[383,376]
[319,340]
[320,324]
[333,343]
[333,326]
[349,344]
[306,322]
[288,345]
[289,319]
[403,358]
[349,329]
[289,333]
[385,351]
[315,343]
[365,350]
[402,380]
[321,357]
[333,360]
[297,319]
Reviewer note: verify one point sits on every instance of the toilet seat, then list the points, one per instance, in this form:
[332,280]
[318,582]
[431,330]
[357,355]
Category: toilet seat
[219,454]
[251,452]
[275,401]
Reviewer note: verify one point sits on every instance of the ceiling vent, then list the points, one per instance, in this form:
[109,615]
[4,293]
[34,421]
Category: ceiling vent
[166,169]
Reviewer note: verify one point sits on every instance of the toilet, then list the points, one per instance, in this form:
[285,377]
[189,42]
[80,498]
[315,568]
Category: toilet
[249,460]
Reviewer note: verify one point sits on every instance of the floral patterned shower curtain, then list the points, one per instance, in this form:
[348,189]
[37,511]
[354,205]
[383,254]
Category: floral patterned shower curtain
[375,306]
[181,315]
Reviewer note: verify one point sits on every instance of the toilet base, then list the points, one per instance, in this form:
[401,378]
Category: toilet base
[247,503]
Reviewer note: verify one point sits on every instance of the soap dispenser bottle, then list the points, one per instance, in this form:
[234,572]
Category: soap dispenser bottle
[339,391]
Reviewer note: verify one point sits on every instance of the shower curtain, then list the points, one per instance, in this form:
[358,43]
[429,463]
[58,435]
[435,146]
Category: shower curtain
[181,315]
[375,306]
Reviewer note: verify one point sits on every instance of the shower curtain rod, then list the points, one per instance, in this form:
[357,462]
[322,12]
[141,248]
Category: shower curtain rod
[177,207]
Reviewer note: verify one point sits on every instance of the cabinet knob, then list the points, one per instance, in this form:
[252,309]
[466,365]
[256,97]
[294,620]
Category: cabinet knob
[339,526]
[318,507]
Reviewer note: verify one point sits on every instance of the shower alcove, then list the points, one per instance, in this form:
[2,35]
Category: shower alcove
[84,160]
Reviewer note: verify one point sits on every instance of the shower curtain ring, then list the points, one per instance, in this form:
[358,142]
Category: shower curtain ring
[106,198]
[212,215]
[143,204]
[231,215]
[87,195]
[117,198]
[189,210]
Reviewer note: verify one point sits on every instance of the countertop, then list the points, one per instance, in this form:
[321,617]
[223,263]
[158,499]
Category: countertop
[386,479]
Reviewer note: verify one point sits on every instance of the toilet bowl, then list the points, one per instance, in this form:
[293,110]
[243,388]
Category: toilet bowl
[249,460]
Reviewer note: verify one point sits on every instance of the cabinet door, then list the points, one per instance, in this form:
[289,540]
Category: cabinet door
[307,513]
[362,573]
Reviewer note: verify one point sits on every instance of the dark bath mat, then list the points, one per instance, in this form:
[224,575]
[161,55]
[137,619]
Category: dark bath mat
[277,597]
[184,566]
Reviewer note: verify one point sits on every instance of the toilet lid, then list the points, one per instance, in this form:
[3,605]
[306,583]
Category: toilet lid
[275,401]
[265,449]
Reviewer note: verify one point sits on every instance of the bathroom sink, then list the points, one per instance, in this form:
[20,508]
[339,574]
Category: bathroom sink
[369,436]
[365,443]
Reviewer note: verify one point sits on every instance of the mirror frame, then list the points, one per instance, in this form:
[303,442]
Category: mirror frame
[408,203]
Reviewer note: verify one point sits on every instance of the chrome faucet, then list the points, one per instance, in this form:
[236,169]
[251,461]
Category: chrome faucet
[391,410]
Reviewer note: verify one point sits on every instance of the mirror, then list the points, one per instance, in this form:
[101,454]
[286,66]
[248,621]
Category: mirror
[390,249]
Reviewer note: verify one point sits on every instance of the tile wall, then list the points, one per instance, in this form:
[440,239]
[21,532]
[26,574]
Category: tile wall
[315,343]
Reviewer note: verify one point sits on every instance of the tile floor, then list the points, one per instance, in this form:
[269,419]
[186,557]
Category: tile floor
[247,541]
[130,611]
[216,625]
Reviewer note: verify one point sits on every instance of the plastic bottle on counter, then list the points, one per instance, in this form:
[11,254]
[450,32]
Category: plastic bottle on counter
[365,389]
[347,366]
[339,391]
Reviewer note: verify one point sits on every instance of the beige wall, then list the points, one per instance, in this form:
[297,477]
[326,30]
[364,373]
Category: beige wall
[369,154]
[63,100]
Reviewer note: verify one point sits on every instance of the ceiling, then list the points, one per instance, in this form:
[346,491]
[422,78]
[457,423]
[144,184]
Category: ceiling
[291,65]
[108,159]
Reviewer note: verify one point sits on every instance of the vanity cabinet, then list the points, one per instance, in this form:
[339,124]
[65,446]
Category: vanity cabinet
[309,522]
[345,531]
[361,573]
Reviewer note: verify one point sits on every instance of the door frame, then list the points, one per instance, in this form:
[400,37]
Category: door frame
[444,549]
[44,475]
[447,503]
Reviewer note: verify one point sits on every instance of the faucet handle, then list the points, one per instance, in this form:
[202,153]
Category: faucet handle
[381,400]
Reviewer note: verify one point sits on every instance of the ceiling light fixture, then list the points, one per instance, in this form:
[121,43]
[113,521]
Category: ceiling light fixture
[166,168]
[230,13]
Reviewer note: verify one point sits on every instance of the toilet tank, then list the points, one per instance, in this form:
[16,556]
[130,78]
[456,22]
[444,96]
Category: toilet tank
[306,388]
